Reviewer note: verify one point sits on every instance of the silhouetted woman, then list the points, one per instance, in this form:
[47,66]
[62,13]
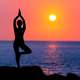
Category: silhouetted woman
[19,29]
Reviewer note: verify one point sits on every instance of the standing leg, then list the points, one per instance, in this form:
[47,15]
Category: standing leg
[17,54]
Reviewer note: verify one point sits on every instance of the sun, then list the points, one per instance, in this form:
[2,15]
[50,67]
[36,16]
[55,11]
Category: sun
[52,17]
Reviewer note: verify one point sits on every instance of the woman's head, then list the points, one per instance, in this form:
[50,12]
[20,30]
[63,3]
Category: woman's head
[19,23]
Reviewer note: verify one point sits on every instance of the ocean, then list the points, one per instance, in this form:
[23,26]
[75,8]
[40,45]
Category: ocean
[52,57]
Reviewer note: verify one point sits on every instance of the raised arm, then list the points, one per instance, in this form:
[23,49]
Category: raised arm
[14,23]
[24,24]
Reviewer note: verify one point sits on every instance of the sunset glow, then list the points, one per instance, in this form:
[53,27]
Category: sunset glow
[56,20]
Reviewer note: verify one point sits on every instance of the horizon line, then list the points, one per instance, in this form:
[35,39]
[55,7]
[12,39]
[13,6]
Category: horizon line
[44,40]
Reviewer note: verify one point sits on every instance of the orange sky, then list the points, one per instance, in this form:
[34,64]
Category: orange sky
[36,12]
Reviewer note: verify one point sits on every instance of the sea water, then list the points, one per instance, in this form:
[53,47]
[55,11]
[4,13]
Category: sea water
[52,57]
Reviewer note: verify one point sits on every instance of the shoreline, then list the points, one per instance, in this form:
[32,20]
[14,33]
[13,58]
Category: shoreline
[33,73]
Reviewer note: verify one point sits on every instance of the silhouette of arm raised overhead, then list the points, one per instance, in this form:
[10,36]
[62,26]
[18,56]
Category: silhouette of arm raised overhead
[24,25]
[15,20]
[14,23]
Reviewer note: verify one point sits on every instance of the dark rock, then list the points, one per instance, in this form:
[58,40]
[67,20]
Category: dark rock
[32,73]
[56,77]
[71,76]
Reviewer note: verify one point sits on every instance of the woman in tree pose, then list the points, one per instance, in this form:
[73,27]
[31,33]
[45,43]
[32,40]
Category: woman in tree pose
[19,29]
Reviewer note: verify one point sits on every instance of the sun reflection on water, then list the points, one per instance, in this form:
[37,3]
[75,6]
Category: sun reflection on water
[52,59]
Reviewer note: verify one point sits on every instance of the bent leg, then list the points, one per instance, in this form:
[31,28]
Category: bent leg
[26,49]
[17,54]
